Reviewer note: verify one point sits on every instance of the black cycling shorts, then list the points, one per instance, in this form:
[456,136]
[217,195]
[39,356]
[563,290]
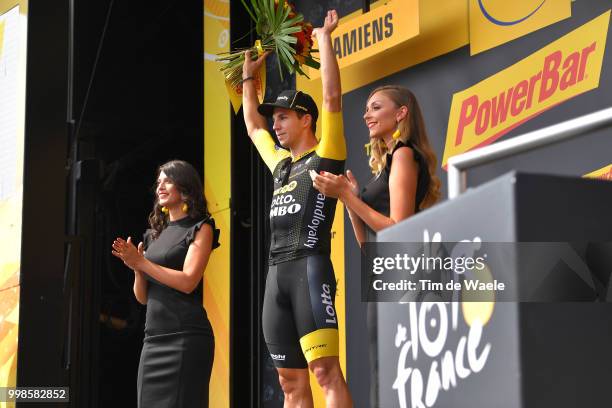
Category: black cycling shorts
[299,317]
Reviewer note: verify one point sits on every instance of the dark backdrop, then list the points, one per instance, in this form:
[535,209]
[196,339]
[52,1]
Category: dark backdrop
[114,89]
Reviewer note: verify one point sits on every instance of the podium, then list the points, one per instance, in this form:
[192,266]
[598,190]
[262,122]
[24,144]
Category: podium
[509,354]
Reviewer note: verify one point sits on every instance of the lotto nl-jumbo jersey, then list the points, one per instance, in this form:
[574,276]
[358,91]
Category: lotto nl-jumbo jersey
[300,216]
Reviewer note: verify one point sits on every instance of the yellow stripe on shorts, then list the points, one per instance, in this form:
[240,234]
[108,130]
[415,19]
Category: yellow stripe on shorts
[320,343]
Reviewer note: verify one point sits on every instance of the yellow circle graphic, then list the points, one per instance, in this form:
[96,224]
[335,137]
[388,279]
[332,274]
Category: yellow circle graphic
[481,303]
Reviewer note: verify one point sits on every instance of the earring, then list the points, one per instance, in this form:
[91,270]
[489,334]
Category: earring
[397,133]
[185,207]
[165,210]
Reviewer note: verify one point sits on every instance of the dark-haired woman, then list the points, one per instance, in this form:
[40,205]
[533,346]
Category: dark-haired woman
[404,182]
[178,350]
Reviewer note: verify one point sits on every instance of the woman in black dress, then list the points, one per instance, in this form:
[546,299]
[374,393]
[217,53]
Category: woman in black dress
[177,355]
[401,159]
[404,182]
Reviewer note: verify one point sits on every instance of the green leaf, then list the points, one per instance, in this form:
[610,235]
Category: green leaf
[279,13]
[297,19]
[284,16]
[312,63]
[280,70]
[282,56]
[262,26]
[256,8]
[281,44]
[262,6]
[243,37]
[282,60]
[290,30]
[288,54]
[286,48]
[248,9]
[299,71]
[285,62]
[269,6]
[288,39]
[262,10]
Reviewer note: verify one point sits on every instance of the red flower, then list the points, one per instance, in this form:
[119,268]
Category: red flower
[286,5]
[292,13]
[304,42]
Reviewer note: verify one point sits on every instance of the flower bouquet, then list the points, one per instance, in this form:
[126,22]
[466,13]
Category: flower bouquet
[280,29]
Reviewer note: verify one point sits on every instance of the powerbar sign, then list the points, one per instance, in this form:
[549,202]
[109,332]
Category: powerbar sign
[563,69]
[373,32]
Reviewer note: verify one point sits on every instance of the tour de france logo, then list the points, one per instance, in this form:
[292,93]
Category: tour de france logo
[427,339]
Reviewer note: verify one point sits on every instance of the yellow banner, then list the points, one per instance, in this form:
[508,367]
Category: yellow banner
[563,69]
[495,22]
[1,37]
[217,188]
[374,32]
[604,173]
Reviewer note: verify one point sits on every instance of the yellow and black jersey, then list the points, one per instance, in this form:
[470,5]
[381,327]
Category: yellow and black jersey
[300,216]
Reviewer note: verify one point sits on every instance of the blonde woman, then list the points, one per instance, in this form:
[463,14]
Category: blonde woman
[401,159]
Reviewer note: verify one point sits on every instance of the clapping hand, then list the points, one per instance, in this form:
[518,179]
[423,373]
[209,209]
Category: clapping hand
[335,186]
[131,256]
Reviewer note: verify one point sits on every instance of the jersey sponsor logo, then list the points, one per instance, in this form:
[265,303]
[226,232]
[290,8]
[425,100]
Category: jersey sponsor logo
[286,188]
[316,346]
[317,218]
[277,357]
[328,304]
[283,200]
[563,69]
[282,203]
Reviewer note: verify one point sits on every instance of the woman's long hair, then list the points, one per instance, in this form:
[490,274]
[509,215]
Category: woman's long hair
[412,128]
[187,180]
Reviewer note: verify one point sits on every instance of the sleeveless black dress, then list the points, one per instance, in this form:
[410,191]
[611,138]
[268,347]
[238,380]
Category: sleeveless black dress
[376,195]
[376,192]
[178,350]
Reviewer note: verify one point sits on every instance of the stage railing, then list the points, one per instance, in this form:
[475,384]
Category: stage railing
[458,165]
